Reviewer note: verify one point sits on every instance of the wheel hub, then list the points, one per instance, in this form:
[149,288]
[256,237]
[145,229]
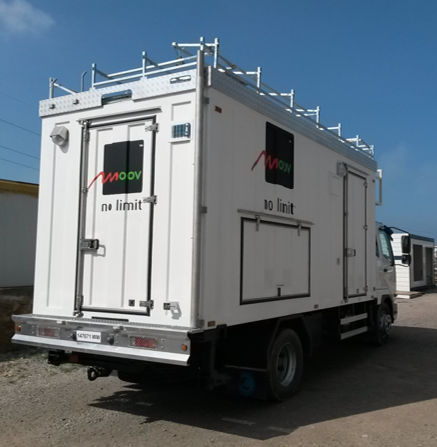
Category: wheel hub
[286,365]
[385,323]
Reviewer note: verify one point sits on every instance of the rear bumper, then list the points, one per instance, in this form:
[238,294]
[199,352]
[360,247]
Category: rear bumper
[171,344]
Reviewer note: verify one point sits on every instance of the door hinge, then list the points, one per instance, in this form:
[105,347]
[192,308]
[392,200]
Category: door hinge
[86,135]
[79,304]
[257,222]
[152,128]
[151,199]
[345,295]
[89,245]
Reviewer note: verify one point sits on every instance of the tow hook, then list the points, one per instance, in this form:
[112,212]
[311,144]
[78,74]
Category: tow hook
[94,372]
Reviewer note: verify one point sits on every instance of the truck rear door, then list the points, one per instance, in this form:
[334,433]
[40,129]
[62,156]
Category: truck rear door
[116,217]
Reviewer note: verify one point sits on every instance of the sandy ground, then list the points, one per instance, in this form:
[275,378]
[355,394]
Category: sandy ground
[353,395]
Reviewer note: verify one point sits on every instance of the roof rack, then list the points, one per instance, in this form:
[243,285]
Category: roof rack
[251,79]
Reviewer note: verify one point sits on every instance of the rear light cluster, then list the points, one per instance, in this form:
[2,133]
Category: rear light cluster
[142,342]
[48,332]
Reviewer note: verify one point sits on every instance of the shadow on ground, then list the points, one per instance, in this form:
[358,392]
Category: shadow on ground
[341,380]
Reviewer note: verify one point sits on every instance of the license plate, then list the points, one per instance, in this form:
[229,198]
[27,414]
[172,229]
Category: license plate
[89,336]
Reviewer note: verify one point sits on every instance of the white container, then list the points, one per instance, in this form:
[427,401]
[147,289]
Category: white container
[420,273]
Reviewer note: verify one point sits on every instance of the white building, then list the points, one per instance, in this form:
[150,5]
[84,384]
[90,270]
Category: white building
[420,273]
[18,213]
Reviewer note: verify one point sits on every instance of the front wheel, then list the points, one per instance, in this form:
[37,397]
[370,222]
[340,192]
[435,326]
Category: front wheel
[383,324]
[285,365]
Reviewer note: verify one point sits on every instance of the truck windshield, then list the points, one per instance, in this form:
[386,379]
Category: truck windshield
[386,246]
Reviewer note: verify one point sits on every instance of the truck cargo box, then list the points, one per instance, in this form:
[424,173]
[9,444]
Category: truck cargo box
[182,198]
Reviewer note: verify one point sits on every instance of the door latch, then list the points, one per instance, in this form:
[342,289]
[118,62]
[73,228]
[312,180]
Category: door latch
[171,305]
[89,244]
[151,199]
[350,252]
[152,128]
[147,304]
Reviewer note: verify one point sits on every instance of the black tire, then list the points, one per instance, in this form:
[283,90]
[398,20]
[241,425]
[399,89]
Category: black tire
[285,366]
[383,324]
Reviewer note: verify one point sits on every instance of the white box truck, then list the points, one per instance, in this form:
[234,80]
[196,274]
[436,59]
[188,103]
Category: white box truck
[192,219]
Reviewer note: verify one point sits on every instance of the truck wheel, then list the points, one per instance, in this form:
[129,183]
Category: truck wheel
[285,365]
[384,323]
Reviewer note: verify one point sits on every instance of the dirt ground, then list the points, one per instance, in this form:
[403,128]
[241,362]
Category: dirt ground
[353,395]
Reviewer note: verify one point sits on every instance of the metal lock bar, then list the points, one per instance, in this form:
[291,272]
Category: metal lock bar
[89,244]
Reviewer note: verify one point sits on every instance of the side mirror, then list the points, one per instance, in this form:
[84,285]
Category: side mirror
[406,245]
[406,259]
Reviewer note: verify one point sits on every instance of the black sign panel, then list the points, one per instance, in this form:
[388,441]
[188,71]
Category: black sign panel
[123,167]
[279,156]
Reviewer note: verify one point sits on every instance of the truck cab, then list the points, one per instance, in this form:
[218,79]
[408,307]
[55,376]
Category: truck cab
[385,262]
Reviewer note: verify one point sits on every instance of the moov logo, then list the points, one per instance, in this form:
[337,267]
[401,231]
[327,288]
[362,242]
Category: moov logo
[278,157]
[122,168]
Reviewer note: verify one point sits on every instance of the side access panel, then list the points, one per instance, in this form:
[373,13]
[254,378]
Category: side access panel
[275,262]
[355,230]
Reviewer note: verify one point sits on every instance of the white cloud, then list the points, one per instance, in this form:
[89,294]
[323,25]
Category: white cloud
[19,17]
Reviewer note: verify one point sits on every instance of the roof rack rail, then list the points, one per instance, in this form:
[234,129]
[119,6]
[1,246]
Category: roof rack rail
[186,57]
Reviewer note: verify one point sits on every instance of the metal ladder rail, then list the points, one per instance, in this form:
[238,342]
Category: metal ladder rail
[251,79]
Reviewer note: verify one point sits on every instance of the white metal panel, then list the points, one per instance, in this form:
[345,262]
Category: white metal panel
[396,244]
[181,223]
[173,227]
[145,88]
[275,261]
[235,138]
[356,234]
[59,205]
[421,274]
[116,276]
[402,271]
[17,239]
[249,97]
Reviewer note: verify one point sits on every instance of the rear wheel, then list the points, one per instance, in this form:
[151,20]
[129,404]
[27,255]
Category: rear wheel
[285,365]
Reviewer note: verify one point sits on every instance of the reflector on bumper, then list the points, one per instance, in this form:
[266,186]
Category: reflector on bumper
[48,332]
[142,342]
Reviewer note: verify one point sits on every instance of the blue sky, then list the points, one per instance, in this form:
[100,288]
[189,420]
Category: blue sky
[369,64]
